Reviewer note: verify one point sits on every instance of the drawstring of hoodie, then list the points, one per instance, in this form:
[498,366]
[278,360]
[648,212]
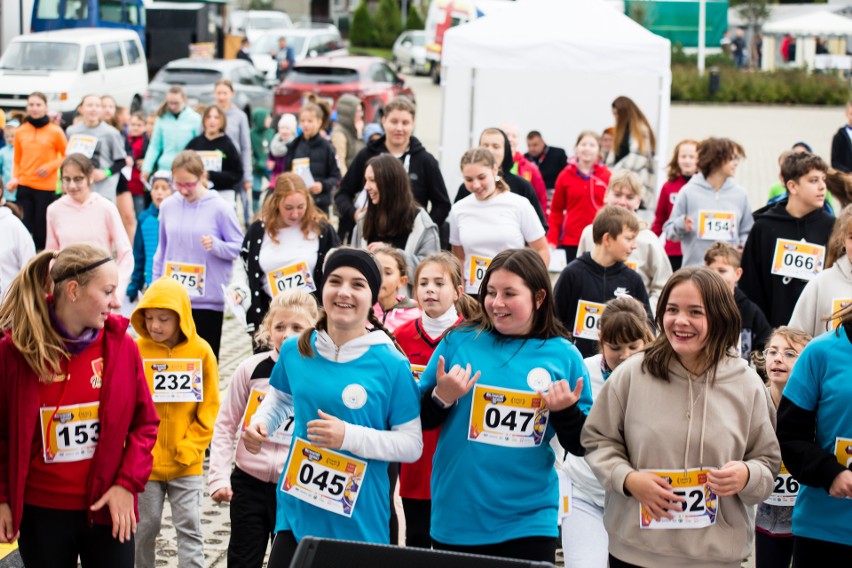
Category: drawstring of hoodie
[689,426]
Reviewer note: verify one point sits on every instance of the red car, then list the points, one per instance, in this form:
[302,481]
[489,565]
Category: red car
[369,78]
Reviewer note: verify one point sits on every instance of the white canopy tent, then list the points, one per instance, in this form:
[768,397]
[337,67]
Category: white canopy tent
[815,23]
[807,27]
[552,66]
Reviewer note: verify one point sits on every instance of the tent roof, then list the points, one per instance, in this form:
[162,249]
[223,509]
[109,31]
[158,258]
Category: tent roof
[557,35]
[814,23]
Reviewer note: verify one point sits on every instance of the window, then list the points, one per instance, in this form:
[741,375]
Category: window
[48,10]
[322,75]
[111,11]
[188,76]
[42,56]
[132,51]
[382,74]
[90,60]
[112,54]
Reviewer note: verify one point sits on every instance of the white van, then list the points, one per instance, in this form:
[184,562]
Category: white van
[68,64]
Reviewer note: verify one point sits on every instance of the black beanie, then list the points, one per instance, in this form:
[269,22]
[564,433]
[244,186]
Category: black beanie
[360,260]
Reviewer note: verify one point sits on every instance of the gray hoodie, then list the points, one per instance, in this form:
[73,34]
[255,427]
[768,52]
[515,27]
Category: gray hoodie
[240,134]
[735,221]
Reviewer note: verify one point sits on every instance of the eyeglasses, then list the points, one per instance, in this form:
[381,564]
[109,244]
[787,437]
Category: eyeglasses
[187,186]
[787,354]
[74,180]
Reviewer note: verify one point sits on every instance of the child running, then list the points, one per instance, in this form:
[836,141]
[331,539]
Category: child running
[494,487]
[439,289]
[184,381]
[251,487]
[681,169]
[356,410]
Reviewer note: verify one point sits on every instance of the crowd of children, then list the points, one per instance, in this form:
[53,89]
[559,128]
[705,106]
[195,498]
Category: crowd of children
[623,404]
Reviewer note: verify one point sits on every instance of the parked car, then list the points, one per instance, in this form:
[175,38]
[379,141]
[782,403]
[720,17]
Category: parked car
[368,78]
[409,50]
[198,76]
[305,42]
[68,64]
[255,23]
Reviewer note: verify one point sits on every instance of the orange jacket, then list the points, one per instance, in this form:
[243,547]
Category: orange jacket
[36,148]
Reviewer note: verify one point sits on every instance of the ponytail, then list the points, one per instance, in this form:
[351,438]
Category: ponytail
[374,321]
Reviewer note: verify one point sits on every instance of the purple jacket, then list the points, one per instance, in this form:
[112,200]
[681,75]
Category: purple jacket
[182,224]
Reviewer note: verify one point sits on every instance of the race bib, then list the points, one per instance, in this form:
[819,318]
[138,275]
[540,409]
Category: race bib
[283,434]
[507,417]
[292,277]
[697,512]
[302,168]
[631,265]
[82,144]
[192,276]
[786,489]
[843,451]
[836,305]
[565,493]
[797,259]
[717,226]
[478,266]
[174,380]
[212,160]
[323,478]
[587,322]
[417,370]
[72,434]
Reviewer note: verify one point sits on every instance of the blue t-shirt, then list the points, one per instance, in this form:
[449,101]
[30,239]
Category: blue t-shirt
[388,397]
[821,381]
[484,493]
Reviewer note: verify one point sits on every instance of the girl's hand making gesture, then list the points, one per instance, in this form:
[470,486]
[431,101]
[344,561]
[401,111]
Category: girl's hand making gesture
[455,383]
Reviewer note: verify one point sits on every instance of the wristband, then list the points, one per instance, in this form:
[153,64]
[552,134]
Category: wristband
[440,401]
[108,172]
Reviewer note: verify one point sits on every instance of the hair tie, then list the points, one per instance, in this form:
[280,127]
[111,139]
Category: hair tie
[55,254]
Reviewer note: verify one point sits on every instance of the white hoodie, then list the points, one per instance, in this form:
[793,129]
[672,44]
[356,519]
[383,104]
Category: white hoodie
[17,248]
[818,298]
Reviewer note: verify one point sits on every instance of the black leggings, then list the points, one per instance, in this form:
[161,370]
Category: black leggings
[772,551]
[252,520]
[616,563]
[208,323]
[418,515]
[283,549]
[538,548]
[809,552]
[51,538]
[393,477]
[33,204]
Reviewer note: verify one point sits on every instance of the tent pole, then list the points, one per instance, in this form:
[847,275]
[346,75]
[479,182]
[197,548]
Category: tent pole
[702,32]
[470,116]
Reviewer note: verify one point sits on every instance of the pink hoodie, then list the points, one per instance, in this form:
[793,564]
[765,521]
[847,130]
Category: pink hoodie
[248,386]
[404,311]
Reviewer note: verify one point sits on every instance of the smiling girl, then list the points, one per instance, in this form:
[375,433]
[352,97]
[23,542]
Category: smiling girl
[356,409]
[501,387]
[286,248]
[681,436]
[199,241]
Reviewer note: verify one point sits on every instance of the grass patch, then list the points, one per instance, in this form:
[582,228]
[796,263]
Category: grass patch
[374,51]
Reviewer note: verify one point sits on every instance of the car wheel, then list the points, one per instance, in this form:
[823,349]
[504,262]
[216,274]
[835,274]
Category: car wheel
[396,65]
[136,104]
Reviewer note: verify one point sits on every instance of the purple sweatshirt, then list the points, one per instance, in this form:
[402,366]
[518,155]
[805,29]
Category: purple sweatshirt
[182,224]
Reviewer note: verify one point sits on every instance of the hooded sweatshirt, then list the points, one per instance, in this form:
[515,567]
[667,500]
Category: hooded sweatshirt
[755,329]
[641,422]
[18,248]
[777,295]
[237,130]
[344,135]
[530,172]
[516,184]
[97,222]
[261,136]
[144,246]
[576,200]
[823,296]
[182,224]
[586,280]
[726,209]
[172,132]
[323,165]
[186,427]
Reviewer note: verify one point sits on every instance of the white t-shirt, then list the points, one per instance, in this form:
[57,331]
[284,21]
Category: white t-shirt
[292,248]
[485,228]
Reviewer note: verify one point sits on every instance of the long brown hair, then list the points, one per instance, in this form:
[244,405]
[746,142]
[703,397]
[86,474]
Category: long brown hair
[395,212]
[286,185]
[173,90]
[629,115]
[451,266]
[624,321]
[723,323]
[25,312]
[836,246]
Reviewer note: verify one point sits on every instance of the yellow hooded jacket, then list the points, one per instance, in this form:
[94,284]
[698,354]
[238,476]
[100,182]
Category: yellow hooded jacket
[186,428]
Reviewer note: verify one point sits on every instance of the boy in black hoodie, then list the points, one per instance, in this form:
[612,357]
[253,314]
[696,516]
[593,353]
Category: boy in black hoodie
[725,260]
[591,280]
[786,246]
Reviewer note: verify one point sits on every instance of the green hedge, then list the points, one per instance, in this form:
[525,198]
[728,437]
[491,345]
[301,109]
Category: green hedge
[791,86]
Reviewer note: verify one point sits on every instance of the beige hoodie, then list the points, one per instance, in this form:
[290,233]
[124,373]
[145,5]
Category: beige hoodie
[641,422]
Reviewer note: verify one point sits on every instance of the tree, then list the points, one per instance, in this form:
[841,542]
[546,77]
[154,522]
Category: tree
[388,23]
[755,13]
[362,33]
[415,20]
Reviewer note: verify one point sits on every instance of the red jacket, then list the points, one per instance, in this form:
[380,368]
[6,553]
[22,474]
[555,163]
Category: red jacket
[575,203]
[665,204]
[127,415]
[530,172]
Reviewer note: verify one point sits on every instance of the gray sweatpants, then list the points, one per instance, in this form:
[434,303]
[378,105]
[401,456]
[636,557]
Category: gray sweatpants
[184,495]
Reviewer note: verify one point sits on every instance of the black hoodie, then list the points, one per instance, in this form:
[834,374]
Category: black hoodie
[516,184]
[755,330]
[585,279]
[323,164]
[427,183]
[776,295]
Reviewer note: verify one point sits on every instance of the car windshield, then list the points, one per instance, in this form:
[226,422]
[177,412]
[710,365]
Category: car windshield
[187,76]
[322,75]
[267,23]
[418,40]
[41,56]
[269,43]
